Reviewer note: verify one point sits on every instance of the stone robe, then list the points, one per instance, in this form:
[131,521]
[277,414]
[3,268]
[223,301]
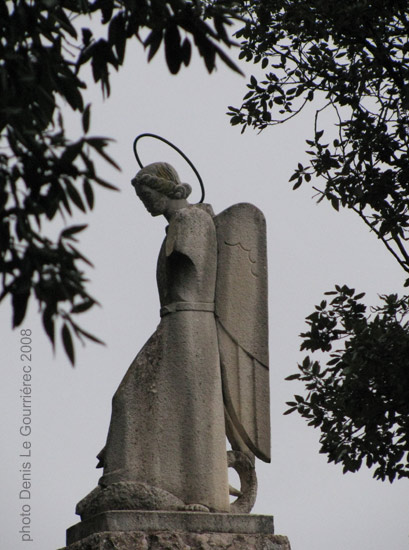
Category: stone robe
[167,426]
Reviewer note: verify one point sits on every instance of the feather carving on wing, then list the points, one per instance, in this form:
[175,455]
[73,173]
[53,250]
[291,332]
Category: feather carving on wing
[241,309]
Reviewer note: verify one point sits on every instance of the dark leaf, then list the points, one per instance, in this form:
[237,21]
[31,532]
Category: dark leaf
[48,324]
[154,41]
[67,233]
[86,36]
[67,341]
[105,184]
[74,195]
[69,88]
[186,51]
[89,194]
[90,336]
[98,144]
[19,302]
[219,23]
[117,35]
[173,49]
[86,118]
[335,203]
[297,184]
[293,377]
[84,306]
[106,7]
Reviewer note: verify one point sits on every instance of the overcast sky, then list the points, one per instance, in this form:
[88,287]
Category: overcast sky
[310,248]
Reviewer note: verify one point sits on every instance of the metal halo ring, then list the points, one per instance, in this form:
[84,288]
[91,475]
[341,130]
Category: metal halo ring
[177,150]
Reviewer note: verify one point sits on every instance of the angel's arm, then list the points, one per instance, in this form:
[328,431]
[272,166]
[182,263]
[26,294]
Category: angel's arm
[186,231]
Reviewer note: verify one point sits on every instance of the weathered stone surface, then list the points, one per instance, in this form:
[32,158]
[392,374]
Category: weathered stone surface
[241,309]
[180,541]
[204,372]
[190,522]
[127,496]
[244,466]
[154,530]
[167,426]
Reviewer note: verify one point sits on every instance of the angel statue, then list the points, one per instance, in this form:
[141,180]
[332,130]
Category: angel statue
[203,374]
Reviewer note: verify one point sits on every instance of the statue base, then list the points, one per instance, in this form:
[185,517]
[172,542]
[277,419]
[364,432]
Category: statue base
[157,530]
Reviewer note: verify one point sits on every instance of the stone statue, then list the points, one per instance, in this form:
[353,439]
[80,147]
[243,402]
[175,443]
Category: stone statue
[203,374]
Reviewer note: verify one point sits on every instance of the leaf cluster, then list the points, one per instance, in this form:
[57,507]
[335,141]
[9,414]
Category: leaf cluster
[360,398]
[352,58]
[44,173]
[173,23]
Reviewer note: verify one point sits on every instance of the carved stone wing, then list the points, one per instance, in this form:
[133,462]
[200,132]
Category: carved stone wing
[241,309]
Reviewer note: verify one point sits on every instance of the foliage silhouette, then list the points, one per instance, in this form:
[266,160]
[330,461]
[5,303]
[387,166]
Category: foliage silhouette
[43,172]
[352,58]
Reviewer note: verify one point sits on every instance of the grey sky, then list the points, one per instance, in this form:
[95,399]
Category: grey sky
[310,249]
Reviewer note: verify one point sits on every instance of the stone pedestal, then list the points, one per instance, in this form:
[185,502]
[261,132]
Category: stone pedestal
[136,530]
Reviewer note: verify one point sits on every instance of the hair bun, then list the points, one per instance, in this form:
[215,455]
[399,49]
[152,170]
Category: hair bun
[181,191]
[162,177]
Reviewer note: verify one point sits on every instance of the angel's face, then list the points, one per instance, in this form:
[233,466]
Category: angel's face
[155,203]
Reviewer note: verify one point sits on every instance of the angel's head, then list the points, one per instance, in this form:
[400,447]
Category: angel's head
[160,189]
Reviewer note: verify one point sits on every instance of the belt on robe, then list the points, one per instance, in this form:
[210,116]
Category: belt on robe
[186,306]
